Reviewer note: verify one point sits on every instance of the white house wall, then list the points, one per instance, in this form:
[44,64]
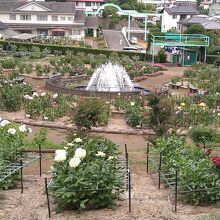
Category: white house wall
[5,19]
[168,22]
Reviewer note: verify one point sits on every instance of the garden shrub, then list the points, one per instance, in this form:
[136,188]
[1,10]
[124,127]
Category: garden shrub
[11,95]
[12,140]
[161,116]
[87,169]
[8,63]
[91,112]
[162,56]
[202,135]
[195,169]
[135,115]
[45,105]
[175,79]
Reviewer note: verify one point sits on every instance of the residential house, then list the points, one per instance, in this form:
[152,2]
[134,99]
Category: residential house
[158,3]
[206,22]
[207,3]
[214,9]
[6,32]
[171,16]
[186,3]
[47,18]
[87,5]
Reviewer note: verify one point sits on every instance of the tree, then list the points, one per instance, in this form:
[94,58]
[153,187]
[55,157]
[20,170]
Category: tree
[195,29]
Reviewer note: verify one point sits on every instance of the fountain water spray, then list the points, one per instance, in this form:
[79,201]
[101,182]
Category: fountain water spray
[110,77]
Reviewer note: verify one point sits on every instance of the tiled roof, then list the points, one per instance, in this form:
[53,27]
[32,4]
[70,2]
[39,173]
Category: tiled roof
[182,10]
[3,26]
[92,22]
[56,7]
[193,20]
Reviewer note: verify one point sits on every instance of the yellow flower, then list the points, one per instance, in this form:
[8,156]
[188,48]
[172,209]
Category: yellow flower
[182,104]
[202,104]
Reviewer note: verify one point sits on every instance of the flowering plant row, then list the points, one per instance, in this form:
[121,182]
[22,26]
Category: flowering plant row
[11,94]
[196,167]
[48,106]
[91,112]
[12,140]
[85,174]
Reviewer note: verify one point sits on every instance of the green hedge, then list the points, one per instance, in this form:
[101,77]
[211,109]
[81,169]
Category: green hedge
[64,48]
[212,58]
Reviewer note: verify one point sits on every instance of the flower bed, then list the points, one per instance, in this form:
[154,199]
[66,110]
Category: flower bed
[198,171]
[11,94]
[87,169]
[45,105]
[91,112]
[12,140]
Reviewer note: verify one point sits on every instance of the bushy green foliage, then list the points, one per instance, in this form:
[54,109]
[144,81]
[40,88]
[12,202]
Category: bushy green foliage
[45,105]
[135,114]
[89,178]
[8,63]
[11,94]
[161,116]
[12,140]
[194,167]
[202,135]
[196,29]
[162,56]
[91,112]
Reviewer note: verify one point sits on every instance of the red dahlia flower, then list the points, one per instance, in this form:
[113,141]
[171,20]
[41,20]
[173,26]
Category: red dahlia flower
[216,160]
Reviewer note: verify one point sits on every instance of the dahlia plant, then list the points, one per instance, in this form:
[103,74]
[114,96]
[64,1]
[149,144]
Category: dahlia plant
[12,140]
[85,174]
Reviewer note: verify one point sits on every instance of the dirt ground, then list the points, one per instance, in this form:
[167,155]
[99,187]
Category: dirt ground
[148,203]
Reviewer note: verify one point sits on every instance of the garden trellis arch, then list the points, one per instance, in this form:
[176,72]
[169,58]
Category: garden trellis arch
[107,5]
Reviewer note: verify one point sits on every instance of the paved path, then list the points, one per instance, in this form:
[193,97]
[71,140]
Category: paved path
[115,39]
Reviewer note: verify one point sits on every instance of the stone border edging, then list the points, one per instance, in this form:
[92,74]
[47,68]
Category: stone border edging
[34,77]
[45,124]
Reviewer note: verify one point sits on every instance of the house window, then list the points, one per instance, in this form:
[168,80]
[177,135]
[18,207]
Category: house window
[25,17]
[62,18]
[42,17]
[70,18]
[77,3]
[12,17]
[88,3]
[174,16]
[54,18]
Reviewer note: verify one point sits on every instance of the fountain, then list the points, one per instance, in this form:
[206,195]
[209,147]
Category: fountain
[110,78]
[107,81]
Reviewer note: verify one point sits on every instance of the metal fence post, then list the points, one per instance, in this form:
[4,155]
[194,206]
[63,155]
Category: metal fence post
[129,189]
[126,156]
[22,187]
[176,190]
[159,170]
[147,157]
[40,158]
[47,194]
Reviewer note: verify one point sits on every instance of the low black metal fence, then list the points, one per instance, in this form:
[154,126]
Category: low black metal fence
[22,159]
[171,179]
